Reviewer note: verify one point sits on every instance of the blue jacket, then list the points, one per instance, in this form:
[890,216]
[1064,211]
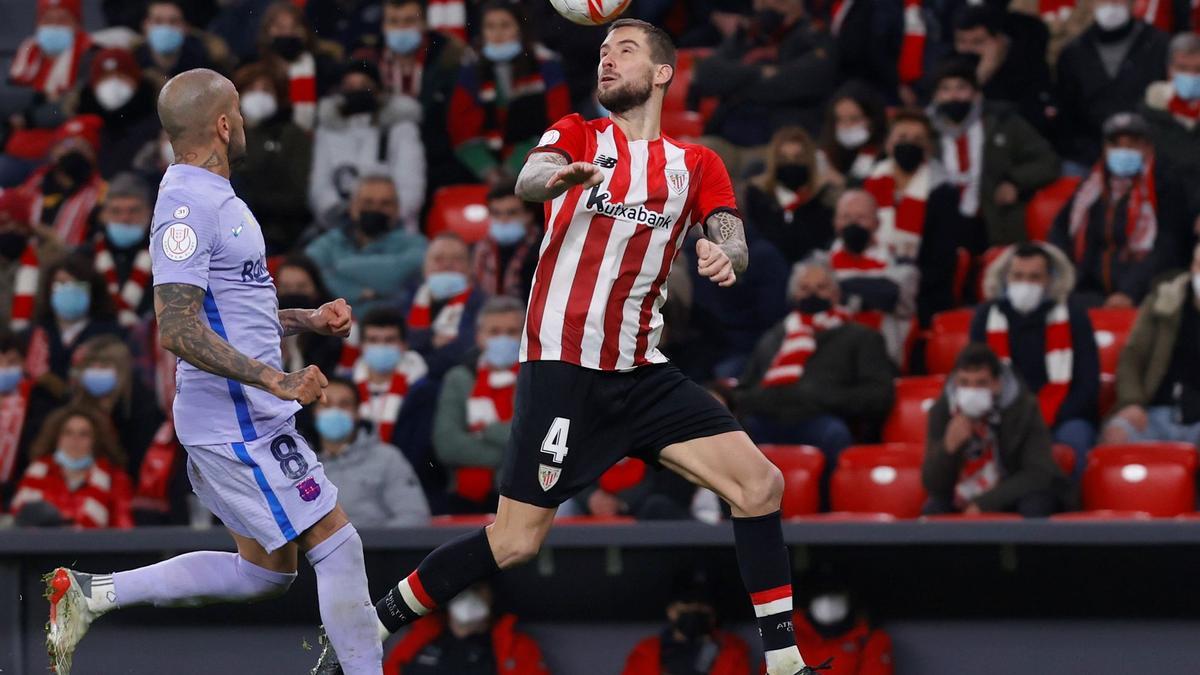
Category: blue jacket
[370,275]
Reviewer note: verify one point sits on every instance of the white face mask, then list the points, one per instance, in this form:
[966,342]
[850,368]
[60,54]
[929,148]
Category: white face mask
[1111,17]
[113,93]
[258,106]
[468,608]
[974,402]
[1025,296]
[830,608]
[853,137]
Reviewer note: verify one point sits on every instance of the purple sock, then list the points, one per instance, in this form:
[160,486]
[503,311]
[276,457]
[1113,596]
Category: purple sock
[346,608]
[195,579]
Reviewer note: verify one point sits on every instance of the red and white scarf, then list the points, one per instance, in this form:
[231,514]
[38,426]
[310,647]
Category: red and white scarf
[154,475]
[902,223]
[13,406]
[447,320]
[302,90]
[1158,13]
[382,409]
[870,263]
[1187,112]
[128,296]
[71,219]
[980,474]
[91,505]
[1060,355]
[50,75]
[799,342]
[837,15]
[351,350]
[24,290]
[492,279]
[1141,212]
[912,49]
[448,16]
[491,401]
[963,157]
[37,353]
[402,73]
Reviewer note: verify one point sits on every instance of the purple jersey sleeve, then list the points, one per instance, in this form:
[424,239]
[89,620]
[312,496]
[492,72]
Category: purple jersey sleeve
[184,238]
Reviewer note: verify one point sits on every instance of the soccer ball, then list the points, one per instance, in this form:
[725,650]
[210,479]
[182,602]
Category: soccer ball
[590,12]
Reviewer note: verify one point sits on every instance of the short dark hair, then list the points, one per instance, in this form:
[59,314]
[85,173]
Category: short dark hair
[348,383]
[956,68]
[505,187]
[401,3]
[662,49]
[972,17]
[1031,250]
[310,267]
[81,267]
[9,342]
[386,317]
[978,355]
[912,115]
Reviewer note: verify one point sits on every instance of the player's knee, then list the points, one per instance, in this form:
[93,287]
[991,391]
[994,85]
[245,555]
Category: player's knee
[261,583]
[762,491]
[268,590]
[514,549]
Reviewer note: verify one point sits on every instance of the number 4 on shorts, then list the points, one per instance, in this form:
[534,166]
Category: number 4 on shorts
[555,442]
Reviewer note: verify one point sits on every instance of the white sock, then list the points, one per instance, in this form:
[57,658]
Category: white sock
[102,598]
[784,661]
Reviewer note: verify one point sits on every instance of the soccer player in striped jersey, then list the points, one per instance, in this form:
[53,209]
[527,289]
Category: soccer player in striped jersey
[620,198]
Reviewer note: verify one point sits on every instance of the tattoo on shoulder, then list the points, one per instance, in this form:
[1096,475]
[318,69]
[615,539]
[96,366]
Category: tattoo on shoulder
[550,158]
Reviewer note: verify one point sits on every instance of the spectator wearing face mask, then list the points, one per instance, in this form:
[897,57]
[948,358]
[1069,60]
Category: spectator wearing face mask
[816,371]
[15,390]
[69,186]
[475,408]
[310,65]
[691,644]
[368,257]
[467,637]
[1172,113]
[995,158]
[125,104]
[988,449]
[788,203]
[360,132]
[831,627]
[298,283]
[385,372]
[1126,220]
[20,257]
[120,250]
[76,476]
[1102,72]
[444,307]
[376,485]
[505,261]
[506,96]
[278,157]
[172,46]
[1047,340]
[877,291]
[853,134]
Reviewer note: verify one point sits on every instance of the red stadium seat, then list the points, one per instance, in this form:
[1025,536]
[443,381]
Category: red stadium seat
[951,517]
[685,64]
[473,520]
[1045,205]
[1064,457]
[1158,478]
[948,334]
[848,517]
[879,479]
[682,124]
[914,397]
[1108,393]
[461,209]
[802,466]
[1105,514]
[623,475]
[1112,326]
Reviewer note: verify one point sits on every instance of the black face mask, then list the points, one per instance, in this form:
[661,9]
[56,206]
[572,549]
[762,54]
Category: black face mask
[813,304]
[792,176]
[297,301]
[908,156]
[373,223]
[769,20]
[359,101]
[694,624]
[289,47]
[855,238]
[12,244]
[76,167]
[955,111]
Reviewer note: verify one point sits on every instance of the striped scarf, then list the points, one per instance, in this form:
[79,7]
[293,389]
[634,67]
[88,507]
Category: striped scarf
[154,475]
[71,218]
[50,75]
[870,263]
[447,320]
[799,343]
[402,74]
[1141,210]
[1059,355]
[128,296]
[1158,13]
[351,350]
[448,16]
[912,49]
[1186,111]
[980,471]
[491,401]
[493,280]
[381,410]
[523,108]
[24,290]
[98,502]
[12,419]
[963,157]
[901,225]
[302,90]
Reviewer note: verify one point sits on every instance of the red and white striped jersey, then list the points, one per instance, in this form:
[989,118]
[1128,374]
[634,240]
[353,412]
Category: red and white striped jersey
[601,276]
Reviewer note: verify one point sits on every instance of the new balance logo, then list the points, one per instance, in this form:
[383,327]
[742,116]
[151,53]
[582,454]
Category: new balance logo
[605,162]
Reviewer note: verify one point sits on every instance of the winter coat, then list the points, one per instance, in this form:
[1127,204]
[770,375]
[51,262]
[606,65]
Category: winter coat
[1176,142]
[516,653]
[732,659]
[1148,352]
[274,173]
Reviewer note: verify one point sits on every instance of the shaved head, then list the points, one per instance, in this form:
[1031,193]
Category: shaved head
[199,108]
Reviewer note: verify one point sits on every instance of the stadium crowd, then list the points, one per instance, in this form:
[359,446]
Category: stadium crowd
[1022,168]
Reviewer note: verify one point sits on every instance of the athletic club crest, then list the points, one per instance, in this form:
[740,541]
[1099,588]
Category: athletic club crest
[677,180]
[548,476]
[309,489]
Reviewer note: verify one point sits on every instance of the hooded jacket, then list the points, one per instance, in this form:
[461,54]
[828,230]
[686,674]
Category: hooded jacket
[1027,334]
[1147,354]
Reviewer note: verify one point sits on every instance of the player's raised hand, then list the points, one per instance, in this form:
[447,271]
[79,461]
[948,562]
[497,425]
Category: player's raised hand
[332,318]
[303,386]
[578,173]
[714,264]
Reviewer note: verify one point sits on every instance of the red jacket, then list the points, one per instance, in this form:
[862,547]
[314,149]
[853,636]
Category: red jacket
[860,651]
[733,659]
[102,501]
[516,653]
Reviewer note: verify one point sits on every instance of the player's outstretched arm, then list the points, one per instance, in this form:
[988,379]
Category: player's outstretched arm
[331,318]
[724,254]
[547,175]
[181,332]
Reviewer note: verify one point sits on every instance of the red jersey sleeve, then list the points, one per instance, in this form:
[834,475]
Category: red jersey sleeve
[715,192]
[566,137]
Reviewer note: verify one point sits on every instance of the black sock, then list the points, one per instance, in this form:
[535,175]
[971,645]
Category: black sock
[766,571]
[451,567]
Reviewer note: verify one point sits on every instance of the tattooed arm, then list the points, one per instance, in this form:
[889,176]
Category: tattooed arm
[181,332]
[724,254]
[331,318]
[547,175]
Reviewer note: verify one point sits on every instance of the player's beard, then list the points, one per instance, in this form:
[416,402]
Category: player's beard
[626,97]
